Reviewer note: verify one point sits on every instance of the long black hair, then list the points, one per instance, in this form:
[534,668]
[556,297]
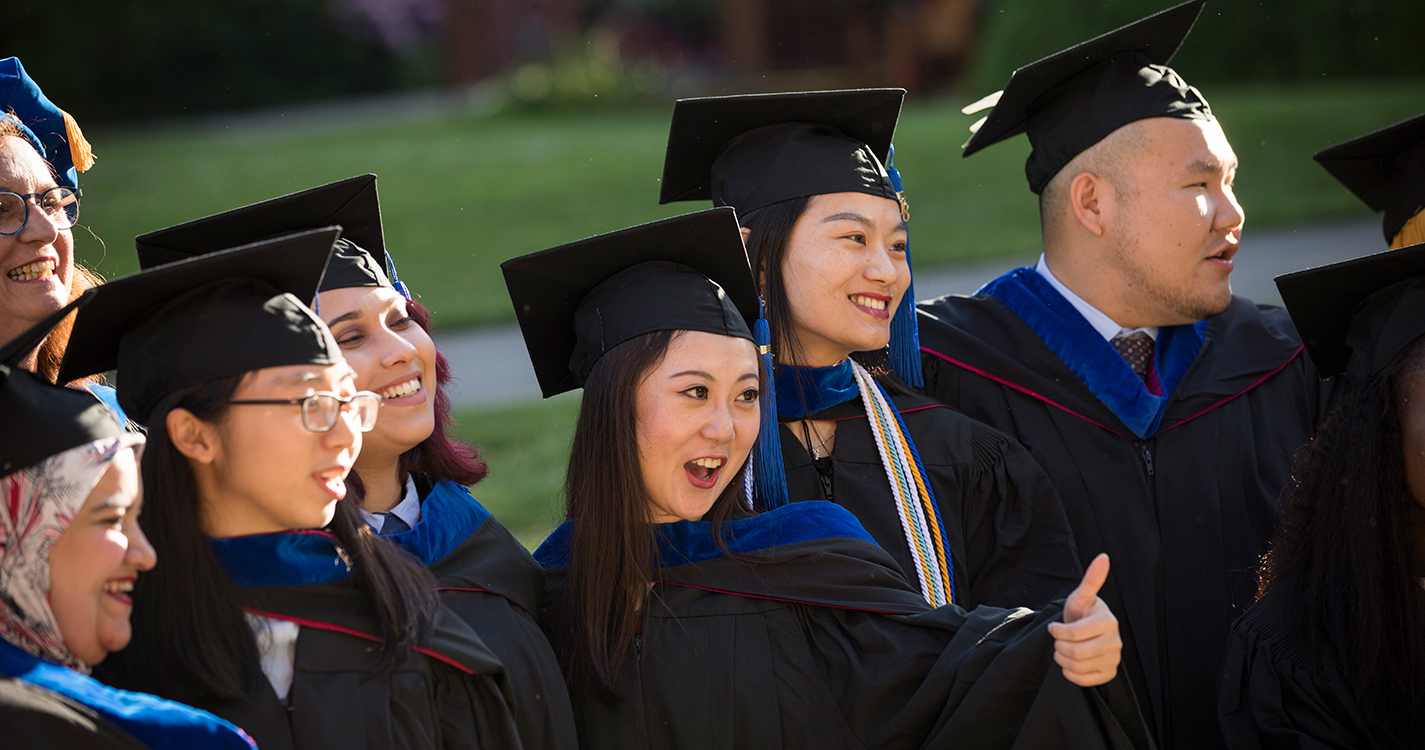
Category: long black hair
[1344,565]
[768,241]
[189,634]
[612,548]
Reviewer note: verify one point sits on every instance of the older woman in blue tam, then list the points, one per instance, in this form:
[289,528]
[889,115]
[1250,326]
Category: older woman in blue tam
[42,152]
[965,511]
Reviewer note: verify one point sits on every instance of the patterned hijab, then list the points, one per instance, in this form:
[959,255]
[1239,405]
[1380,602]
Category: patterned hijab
[36,506]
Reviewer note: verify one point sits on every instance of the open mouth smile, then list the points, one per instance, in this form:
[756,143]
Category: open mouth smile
[703,472]
[40,269]
[877,305]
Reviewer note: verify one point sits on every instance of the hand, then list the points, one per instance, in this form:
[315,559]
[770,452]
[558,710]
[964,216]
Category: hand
[1086,643]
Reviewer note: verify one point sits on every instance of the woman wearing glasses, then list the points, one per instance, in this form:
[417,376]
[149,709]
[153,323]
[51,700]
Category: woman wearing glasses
[410,479]
[278,609]
[41,153]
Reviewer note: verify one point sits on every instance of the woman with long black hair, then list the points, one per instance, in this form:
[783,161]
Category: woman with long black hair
[963,509]
[685,618]
[410,478]
[70,549]
[279,609]
[1333,652]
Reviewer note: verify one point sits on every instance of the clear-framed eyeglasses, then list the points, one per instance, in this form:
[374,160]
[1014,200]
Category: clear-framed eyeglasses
[60,204]
[321,409]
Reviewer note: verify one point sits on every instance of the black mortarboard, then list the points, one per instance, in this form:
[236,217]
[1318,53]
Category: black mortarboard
[755,150]
[1358,315]
[577,301]
[205,318]
[359,258]
[42,419]
[1385,169]
[1073,99]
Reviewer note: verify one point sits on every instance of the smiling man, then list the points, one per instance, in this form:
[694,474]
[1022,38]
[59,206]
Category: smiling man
[1164,410]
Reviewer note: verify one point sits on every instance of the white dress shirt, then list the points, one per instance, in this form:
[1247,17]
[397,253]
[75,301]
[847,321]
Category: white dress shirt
[1105,325]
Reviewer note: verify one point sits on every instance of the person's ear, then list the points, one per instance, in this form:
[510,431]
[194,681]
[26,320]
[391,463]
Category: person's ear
[193,437]
[1090,196]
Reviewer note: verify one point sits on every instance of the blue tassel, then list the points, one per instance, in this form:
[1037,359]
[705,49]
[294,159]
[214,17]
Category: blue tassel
[771,476]
[905,331]
[400,286]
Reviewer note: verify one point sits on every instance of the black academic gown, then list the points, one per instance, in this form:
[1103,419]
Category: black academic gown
[829,647]
[490,581]
[1184,513]
[32,717]
[449,692]
[1279,693]
[1006,531]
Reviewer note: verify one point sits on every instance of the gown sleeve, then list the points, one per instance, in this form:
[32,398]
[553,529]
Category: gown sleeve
[1275,694]
[32,716]
[951,679]
[1019,550]
[473,711]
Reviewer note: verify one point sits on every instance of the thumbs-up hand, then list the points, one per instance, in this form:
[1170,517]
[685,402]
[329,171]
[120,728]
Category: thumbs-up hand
[1086,643]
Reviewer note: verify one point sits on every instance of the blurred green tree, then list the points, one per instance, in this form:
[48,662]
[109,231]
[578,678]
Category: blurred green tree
[1234,40]
[106,61]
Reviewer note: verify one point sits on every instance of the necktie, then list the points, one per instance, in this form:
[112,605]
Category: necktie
[392,524]
[1137,350]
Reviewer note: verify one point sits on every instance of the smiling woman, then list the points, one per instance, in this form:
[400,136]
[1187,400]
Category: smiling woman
[409,479]
[70,551]
[684,617]
[963,509]
[279,609]
[41,153]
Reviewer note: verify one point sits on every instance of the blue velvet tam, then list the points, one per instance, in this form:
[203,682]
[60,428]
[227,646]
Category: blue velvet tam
[48,128]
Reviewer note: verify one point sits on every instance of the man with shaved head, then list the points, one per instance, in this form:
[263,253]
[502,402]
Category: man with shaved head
[1164,409]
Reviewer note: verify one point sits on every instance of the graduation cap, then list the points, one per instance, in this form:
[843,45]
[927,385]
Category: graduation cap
[577,301]
[205,318]
[1385,169]
[43,419]
[1358,315]
[358,260]
[754,150]
[48,128]
[1071,100]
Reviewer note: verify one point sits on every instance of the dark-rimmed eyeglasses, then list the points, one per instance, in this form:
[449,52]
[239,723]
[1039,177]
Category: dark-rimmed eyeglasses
[60,204]
[321,409]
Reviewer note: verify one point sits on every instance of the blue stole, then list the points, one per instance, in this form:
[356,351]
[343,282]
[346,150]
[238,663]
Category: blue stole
[692,541]
[449,515]
[822,387]
[284,558]
[160,724]
[110,398]
[1096,363]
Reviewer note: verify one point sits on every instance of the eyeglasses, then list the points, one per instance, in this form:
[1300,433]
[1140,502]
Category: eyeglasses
[320,410]
[60,204]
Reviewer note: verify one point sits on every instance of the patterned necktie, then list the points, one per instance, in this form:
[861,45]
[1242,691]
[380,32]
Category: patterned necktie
[392,524]
[1137,350]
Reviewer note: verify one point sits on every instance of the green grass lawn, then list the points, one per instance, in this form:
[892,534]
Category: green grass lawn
[461,195]
[527,448]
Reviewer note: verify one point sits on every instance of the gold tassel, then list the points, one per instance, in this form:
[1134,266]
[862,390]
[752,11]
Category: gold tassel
[1413,233]
[79,149]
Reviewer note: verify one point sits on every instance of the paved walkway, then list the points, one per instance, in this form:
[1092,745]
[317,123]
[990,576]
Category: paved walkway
[492,367]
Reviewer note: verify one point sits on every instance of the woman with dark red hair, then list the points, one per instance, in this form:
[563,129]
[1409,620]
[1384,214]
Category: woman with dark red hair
[409,481]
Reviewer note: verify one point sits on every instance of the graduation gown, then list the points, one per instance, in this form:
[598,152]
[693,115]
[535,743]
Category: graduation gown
[829,647]
[449,692]
[489,580]
[46,705]
[1183,500]
[1006,532]
[1278,692]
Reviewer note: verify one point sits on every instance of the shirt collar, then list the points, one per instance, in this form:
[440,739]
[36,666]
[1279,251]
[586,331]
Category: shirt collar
[1105,325]
[408,510]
